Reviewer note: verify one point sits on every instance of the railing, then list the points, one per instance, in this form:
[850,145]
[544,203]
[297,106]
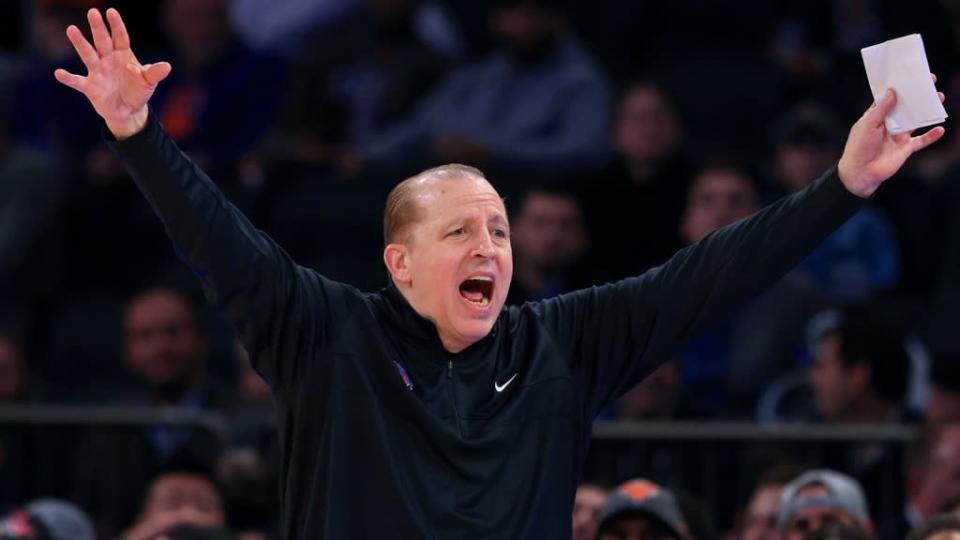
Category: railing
[718,462]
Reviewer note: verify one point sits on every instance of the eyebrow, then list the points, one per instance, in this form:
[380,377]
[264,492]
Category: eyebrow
[499,218]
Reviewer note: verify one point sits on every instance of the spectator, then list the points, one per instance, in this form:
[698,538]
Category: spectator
[727,366]
[167,352]
[759,520]
[47,519]
[550,243]
[31,200]
[943,391]
[166,349]
[939,527]
[933,472]
[860,374]
[180,494]
[538,104]
[586,509]
[216,76]
[820,497]
[641,509]
[373,68]
[860,257]
[640,194]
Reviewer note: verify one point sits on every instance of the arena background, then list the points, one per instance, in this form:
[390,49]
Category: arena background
[619,131]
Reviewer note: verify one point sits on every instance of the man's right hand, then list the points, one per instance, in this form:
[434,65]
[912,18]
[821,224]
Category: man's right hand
[117,84]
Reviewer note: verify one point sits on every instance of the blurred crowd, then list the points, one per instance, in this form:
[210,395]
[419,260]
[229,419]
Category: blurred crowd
[619,131]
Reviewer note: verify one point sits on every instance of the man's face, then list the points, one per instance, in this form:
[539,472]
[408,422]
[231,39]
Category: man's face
[188,497]
[636,527]
[717,198]
[523,28]
[760,518]
[586,508]
[163,345]
[549,230]
[458,257]
[829,378]
[646,127]
[941,474]
[805,521]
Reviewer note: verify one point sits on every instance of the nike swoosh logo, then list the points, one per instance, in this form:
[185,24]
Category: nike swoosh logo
[499,388]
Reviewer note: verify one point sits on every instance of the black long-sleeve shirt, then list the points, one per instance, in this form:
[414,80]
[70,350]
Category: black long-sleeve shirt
[384,433]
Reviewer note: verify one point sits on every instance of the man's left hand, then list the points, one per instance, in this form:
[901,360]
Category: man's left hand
[872,154]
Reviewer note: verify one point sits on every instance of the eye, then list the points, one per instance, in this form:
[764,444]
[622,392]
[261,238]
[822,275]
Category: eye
[501,233]
[457,232]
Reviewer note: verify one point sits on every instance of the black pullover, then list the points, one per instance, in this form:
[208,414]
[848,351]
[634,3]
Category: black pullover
[384,433]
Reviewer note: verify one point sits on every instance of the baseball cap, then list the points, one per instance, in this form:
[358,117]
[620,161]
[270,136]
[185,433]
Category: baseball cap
[643,496]
[842,492]
[47,519]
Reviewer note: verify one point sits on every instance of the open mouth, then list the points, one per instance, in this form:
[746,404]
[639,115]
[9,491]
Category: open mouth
[477,290]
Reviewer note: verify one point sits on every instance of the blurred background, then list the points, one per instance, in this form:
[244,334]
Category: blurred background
[618,130]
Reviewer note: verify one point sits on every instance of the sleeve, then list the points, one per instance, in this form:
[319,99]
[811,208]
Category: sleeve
[620,332]
[282,311]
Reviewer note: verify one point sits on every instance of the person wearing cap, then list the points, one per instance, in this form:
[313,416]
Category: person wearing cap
[47,519]
[818,497]
[640,509]
[429,409]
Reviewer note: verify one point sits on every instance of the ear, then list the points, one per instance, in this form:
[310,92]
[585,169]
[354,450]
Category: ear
[396,258]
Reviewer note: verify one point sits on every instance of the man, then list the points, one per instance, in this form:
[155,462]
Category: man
[428,410]
[933,471]
[537,104]
[759,521]
[817,498]
[178,495]
[166,350]
[860,374]
[642,189]
[46,519]
[586,510]
[641,509]
[551,242]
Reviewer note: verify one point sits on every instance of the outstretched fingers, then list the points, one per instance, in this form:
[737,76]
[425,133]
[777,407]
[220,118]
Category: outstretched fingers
[121,39]
[88,55]
[922,141]
[101,37]
[66,78]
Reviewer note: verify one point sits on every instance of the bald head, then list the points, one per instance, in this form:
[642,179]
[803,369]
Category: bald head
[404,206]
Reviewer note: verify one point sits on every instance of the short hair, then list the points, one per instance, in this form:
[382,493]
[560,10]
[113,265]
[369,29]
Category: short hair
[880,348]
[401,209]
[185,298]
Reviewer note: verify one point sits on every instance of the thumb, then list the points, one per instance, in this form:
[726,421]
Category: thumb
[880,110]
[154,73]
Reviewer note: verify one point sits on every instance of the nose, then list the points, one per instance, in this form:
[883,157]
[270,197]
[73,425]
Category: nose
[484,247]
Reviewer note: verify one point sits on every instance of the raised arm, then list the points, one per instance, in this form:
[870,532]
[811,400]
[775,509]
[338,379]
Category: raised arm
[622,331]
[273,301]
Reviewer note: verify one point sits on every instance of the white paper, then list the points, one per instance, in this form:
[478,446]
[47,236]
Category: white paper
[901,64]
